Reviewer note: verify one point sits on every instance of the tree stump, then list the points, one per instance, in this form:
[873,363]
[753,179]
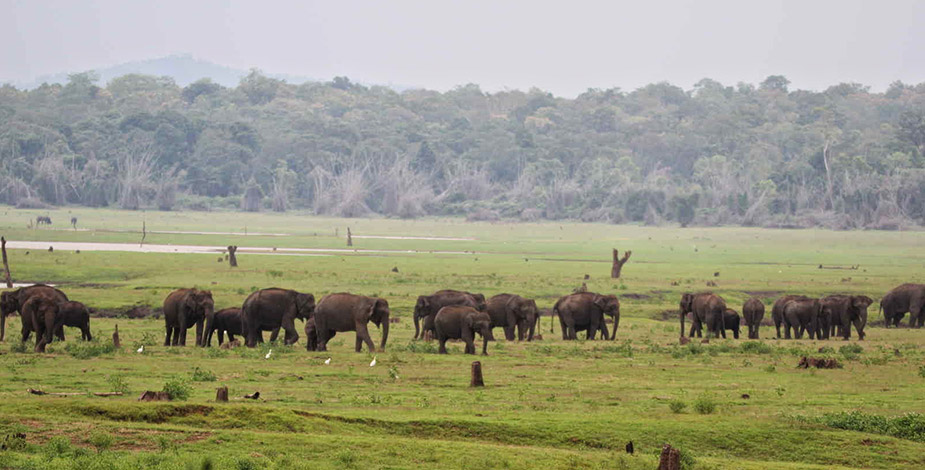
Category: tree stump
[618,263]
[477,375]
[670,459]
[6,267]
[349,237]
[232,259]
[115,338]
[221,394]
[154,396]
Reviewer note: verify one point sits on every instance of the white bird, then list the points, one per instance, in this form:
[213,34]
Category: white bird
[373,362]
[268,354]
[327,361]
[141,349]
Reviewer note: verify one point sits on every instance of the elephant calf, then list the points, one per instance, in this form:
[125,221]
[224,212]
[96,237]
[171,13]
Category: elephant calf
[184,308]
[802,315]
[753,311]
[777,310]
[462,323]
[842,311]
[706,308]
[511,311]
[227,320]
[311,335]
[731,321]
[48,315]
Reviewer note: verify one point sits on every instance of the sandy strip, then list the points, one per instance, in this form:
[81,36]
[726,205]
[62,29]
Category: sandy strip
[199,249]
[385,237]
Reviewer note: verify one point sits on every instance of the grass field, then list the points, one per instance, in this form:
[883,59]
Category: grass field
[546,404]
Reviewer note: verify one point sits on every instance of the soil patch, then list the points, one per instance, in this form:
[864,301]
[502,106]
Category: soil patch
[764,294]
[635,296]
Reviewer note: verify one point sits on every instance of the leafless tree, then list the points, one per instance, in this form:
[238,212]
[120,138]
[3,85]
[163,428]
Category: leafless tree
[135,169]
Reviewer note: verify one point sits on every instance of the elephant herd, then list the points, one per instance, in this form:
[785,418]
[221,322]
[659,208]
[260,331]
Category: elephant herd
[452,314]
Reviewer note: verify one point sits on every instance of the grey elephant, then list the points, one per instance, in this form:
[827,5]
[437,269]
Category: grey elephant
[904,298]
[463,323]
[753,312]
[777,310]
[311,335]
[184,308]
[842,311]
[732,321]
[226,320]
[427,306]
[12,301]
[274,308]
[802,315]
[584,311]
[349,312]
[510,311]
[706,308]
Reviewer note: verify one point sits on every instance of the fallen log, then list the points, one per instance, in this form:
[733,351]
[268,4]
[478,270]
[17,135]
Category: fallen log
[73,394]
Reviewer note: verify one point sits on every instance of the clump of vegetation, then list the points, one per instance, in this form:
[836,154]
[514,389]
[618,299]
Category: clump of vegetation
[756,347]
[101,441]
[922,371]
[178,388]
[705,405]
[117,383]
[907,426]
[202,375]
[677,406]
[18,347]
[88,349]
[850,351]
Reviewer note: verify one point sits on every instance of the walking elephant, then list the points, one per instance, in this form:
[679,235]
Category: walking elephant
[802,315]
[184,308]
[48,315]
[274,308]
[12,301]
[226,320]
[510,311]
[349,312]
[456,322]
[585,311]
[753,311]
[905,298]
[427,307]
[732,321]
[842,311]
[311,335]
[777,310]
[706,308]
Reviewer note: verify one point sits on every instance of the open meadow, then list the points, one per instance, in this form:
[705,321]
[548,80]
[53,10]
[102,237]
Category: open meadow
[728,404]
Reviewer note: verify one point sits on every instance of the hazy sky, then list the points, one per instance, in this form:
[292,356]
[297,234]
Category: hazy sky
[563,46]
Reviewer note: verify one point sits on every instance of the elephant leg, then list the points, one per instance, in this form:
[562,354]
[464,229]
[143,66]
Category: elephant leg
[85,332]
[292,336]
[182,330]
[859,326]
[469,338]
[59,332]
[735,333]
[199,339]
[274,334]
[442,349]
[564,328]
[221,337]
[509,333]
[176,337]
[167,338]
[363,335]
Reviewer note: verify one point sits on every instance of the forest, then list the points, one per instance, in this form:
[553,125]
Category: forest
[753,155]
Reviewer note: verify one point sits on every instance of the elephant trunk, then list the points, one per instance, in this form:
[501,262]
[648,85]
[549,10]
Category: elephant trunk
[683,314]
[533,321]
[417,325]
[385,332]
[210,328]
[616,323]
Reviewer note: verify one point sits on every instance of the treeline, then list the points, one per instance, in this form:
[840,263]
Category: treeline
[715,154]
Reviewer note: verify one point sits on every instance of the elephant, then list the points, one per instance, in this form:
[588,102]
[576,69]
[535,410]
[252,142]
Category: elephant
[731,321]
[226,320]
[753,311]
[706,308]
[585,311]
[801,315]
[311,335]
[349,312]
[48,315]
[844,310]
[777,310]
[460,322]
[12,302]
[905,298]
[509,311]
[427,307]
[184,308]
[274,308]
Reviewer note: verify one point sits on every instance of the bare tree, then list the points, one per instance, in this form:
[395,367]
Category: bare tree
[134,175]
[405,191]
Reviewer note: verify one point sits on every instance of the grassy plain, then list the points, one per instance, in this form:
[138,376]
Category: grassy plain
[547,404]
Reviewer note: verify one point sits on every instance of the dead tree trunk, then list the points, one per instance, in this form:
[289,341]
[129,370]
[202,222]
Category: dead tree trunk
[349,237]
[477,375]
[232,259]
[115,338]
[670,459]
[6,265]
[618,263]
[221,394]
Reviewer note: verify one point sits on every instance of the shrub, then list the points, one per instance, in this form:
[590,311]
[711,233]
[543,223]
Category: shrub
[18,347]
[908,426]
[756,347]
[850,351]
[117,383]
[705,405]
[89,349]
[201,375]
[177,389]
[922,371]
[101,441]
[677,406]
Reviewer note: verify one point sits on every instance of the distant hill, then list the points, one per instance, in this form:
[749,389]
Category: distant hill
[184,69]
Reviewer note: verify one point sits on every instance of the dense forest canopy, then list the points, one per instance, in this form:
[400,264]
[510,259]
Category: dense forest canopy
[716,154]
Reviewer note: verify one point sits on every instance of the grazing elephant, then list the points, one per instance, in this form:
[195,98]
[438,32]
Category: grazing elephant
[731,321]
[226,320]
[311,335]
[455,322]
[349,312]
[427,307]
[844,310]
[273,308]
[802,315]
[905,298]
[12,301]
[585,311]
[777,310]
[184,308]
[753,311]
[48,315]
[509,311]
[706,308]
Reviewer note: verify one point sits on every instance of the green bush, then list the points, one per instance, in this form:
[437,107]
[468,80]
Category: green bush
[18,347]
[922,371]
[88,349]
[177,388]
[704,405]
[101,441]
[908,426]
[756,347]
[850,351]
[117,383]
[202,375]
[677,406]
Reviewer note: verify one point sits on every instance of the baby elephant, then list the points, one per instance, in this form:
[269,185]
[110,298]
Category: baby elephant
[462,323]
[731,321]
[48,315]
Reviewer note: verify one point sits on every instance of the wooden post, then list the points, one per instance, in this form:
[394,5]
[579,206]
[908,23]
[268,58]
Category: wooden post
[144,232]
[221,394]
[670,459]
[618,263]
[349,237]
[232,259]
[477,375]
[115,338]
[6,265]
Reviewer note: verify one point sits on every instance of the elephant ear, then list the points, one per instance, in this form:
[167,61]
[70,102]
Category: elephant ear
[600,301]
[470,321]
[686,302]
[861,301]
[191,301]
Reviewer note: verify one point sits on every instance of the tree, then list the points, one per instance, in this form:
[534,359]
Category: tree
[775,83]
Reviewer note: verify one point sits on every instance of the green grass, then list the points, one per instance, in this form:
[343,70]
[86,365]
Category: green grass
[547,404]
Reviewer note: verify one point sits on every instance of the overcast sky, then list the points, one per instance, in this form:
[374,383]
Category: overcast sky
[564,46]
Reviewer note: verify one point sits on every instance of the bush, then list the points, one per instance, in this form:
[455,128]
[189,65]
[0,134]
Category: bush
[101,441]
[88,349]
[177,389]
[117,383]
[909,426]
[677,406]
[18,347]
[756,347]
[704,405]
[922,371]
[201,375]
